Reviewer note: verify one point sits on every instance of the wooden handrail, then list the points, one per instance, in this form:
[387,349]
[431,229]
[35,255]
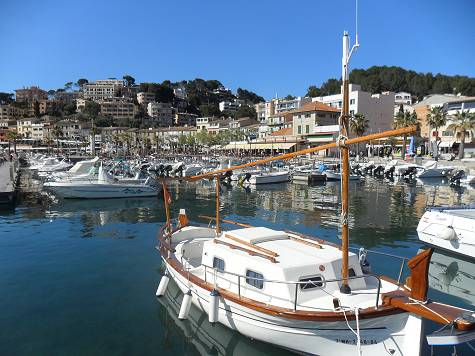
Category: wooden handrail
[248,244]
[305,242]
[285,156]
[224,221]
[240,248]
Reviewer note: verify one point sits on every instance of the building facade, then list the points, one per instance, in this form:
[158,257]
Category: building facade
[278,106]
[145,98]
[161,114]
[31,94]
[403,98]
[377,108]
[102,89]
[118,108]
[10,112]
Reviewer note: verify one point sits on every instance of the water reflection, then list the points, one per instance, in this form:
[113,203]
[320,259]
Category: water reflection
[205,338]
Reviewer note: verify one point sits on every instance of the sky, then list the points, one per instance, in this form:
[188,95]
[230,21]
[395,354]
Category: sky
[270,47]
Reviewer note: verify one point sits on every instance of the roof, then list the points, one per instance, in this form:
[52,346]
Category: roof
[283,132]
[315,106]
[435,99]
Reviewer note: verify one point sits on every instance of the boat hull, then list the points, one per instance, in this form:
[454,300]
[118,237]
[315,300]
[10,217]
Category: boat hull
[270,178]
[102,191]
[398,333]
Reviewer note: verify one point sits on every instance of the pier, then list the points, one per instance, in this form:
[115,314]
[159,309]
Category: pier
[8,182]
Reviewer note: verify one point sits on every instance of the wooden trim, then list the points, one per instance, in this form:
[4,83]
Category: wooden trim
[248,244]
[224,221]
[240,248]
[419,280]
[305,242]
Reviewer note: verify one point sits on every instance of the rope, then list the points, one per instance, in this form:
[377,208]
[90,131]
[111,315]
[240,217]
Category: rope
[357,332]
[423,304]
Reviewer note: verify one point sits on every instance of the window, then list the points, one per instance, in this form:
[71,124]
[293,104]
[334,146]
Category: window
[299,129]
[307,115]
[307,129]
[352,101]
[352,112]
[255,279]
[218,263]
[312,282]
[351,272]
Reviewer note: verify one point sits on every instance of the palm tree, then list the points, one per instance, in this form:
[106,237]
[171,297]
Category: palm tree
[358,124]
[127,139]
[436,118]
[57,133]
[11,136]
[401,120]
[462,122]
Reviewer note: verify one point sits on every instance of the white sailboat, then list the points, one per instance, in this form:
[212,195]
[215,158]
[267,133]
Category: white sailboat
[299,292]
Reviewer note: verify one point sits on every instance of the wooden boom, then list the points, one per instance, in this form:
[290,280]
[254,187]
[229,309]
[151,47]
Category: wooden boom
[285,156]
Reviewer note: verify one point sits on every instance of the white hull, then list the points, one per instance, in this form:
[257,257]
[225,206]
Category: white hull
[78,190]
[268,178]
[337,176]
[452,230]
[434,173]
[400,332]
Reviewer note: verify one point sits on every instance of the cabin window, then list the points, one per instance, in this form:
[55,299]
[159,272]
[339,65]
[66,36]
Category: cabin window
[255,279]
[351,272]
[218,263]
[312,282]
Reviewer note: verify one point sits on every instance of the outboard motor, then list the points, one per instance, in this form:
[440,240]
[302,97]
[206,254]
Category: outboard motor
[364,263]
[409,173]
[179,170]
[167,169]
[378,171]
[244,178]
[368,169]
[456,177]
[227,175]
[390,172]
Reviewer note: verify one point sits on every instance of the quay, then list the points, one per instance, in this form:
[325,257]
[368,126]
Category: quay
[9,174]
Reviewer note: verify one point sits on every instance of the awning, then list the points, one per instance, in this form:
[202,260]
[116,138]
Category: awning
[260,146]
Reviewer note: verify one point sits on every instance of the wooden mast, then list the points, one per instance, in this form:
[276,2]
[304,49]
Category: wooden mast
[218,225]
[345,167]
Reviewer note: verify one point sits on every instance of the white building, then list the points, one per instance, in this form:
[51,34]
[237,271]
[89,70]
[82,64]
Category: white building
[402,98]
[231,106]
[102,89]
[202,123]
[180,93]
[37,132]
[277,106]
[161,113]
[145,98]
[377,108]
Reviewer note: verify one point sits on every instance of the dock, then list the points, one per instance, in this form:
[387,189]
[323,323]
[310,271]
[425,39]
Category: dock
[8,182]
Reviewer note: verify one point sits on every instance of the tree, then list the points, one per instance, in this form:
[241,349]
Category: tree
[6,98]
[401,120]
[36,108]
[436,118]
[245,111]
[313,91]
[81,82]
[331,86]
[11,136]
[57,133]
[461,123]
[68,86]
[247,95]
[358,124]
[129,80]
[209,110]
[289,97]
[91,109]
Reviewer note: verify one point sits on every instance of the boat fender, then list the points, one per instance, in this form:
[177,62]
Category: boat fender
[446,233]
[364,263]
[185,306]
[162,286]
[213,312]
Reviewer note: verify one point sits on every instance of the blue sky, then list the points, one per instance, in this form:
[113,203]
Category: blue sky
[266,46]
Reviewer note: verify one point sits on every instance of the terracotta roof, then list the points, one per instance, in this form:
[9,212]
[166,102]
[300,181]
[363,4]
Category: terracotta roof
[315,106]
[283,132]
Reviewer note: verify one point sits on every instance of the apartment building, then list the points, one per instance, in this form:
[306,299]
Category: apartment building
[316,122]
[230,106]
[10,112]
[118,108]
[171,134]
[218,125]
[403,98]
[145,98]
[377,108]
[30,94]
[185,119]
[102,89]
[161,113]
[202,123]
[24,127]
[278,106]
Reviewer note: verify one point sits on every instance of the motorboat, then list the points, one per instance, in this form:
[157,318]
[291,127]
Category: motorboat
[309,176]
[51,165]
[431,169]
[103,187]
[79,170]
[449,228]
[332,175]
[269,177]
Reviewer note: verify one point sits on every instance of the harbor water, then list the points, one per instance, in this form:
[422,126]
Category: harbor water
[79,277]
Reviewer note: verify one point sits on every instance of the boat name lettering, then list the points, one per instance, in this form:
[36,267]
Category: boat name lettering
[354,341]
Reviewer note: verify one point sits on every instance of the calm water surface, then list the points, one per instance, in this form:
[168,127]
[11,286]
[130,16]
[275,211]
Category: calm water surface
[79,277]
